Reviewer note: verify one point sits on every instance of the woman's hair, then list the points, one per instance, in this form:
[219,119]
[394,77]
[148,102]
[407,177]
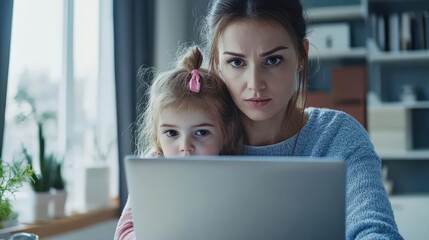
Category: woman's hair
[288,13]
[170,90]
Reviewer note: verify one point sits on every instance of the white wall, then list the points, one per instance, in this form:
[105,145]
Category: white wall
[176,22]
[170,30]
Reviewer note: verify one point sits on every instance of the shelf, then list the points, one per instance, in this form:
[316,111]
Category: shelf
[76,221]
[396,105]
[353,53]
[336,13]
[405,155]
[377,56]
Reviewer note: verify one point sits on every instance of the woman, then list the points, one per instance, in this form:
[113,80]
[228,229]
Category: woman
[259,48]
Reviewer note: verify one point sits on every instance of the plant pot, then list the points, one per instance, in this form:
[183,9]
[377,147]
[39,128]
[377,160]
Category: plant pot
[9,223]
[59,198]
[36,207]
[41,202]
[94,188]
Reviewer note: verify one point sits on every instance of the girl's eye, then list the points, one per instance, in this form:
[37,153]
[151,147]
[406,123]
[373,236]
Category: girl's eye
[171,133]
[202,132]
[274,60]
[236,62]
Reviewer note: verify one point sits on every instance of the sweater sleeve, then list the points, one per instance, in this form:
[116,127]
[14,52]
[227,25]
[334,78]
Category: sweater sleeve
[125,227]
[368,209]
[369,212]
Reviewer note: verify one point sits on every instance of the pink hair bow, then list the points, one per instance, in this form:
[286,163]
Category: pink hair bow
[194,83]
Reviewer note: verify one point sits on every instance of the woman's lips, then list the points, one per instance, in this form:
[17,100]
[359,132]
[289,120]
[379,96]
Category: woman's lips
[257,102]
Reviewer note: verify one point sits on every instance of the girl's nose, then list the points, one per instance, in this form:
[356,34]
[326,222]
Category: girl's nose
[186,146]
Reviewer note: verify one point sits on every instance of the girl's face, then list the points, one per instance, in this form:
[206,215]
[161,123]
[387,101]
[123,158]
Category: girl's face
[188,132]
[259,65]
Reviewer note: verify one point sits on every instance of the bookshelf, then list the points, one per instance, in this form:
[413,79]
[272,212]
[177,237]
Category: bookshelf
[353,53]
[407,155]
[336,13]
[390,69]
[337,47]
[387,73]
[331,15]
[380,57]
[406,105]
[398,55]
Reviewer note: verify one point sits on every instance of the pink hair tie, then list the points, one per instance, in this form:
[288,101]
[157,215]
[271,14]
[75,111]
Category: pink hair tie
[194,83]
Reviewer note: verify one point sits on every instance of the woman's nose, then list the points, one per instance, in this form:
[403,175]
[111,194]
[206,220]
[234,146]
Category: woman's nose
[254,79]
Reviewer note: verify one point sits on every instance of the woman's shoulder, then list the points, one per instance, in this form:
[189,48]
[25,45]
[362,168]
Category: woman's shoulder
[333,132]
[333,122]
[330,117]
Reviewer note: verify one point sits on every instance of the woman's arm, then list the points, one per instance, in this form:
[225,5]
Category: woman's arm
[369,212]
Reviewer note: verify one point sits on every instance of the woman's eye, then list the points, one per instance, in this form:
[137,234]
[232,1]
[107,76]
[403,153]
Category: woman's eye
[275,60]
[171,133]
[202,132]
[236,62]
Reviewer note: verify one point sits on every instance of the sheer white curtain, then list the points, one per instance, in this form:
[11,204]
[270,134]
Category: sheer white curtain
[62,57]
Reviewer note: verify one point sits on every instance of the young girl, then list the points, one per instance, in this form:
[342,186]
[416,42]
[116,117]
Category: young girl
[190,112]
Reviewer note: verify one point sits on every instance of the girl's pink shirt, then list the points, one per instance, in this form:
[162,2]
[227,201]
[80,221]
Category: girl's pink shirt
[125,228]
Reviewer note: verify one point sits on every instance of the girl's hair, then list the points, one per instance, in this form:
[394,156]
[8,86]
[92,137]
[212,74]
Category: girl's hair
[288,13]
[170,89]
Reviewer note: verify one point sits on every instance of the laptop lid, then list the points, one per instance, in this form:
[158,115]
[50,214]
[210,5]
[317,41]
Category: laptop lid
[237,197]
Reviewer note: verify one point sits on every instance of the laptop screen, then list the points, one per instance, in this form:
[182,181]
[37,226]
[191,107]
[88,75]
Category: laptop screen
[237,197]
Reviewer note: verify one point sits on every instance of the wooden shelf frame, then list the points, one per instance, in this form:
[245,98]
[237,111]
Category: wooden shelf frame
[66,224]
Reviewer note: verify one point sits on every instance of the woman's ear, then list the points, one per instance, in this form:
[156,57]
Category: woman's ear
[301,62]
[306,44]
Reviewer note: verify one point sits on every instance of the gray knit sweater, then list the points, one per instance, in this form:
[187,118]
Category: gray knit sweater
[333,133]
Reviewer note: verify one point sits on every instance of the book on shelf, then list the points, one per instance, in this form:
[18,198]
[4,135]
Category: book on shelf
[406,43]
[400,31]
[417,31]
[426,28]
[373,25]
[394,38]
[381,32]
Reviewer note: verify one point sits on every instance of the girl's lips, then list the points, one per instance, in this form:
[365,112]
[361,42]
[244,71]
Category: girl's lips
[258,102]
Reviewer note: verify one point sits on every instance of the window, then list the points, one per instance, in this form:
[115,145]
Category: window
[61,72]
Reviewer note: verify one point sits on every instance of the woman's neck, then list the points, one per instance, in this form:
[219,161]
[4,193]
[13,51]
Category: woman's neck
[272,131]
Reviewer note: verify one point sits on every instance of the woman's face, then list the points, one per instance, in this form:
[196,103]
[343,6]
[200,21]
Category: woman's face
[259,65]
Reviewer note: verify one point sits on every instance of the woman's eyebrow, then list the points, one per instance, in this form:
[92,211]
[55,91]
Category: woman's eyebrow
[262,54]
[273,51]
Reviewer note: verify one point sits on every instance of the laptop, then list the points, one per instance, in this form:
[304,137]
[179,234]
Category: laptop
[236,197]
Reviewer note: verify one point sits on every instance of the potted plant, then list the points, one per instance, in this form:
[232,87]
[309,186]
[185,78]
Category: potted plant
[12,176]
[42,181]
[46,170]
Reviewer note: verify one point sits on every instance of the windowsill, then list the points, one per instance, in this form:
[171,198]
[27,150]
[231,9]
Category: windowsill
[66,224]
